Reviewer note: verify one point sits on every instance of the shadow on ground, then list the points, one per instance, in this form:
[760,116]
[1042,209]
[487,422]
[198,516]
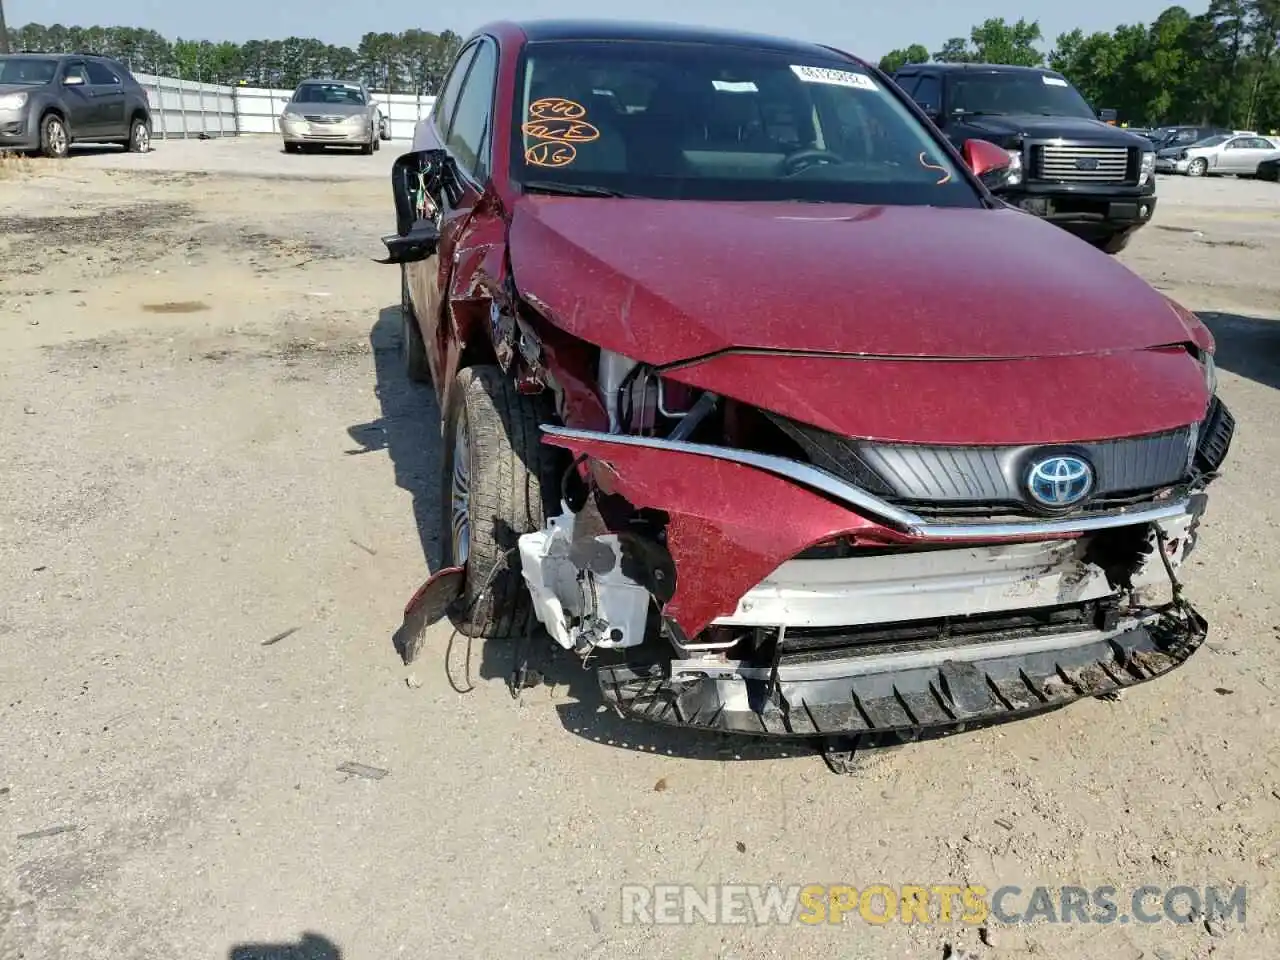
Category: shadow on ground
[1248,346]
[310,946]
[409,430]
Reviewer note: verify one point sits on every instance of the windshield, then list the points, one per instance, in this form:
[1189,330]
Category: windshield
[27,70]
[692,121]
[328,93]
[1009,93]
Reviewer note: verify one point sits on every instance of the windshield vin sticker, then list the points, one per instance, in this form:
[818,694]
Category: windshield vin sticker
[1053,81]
[836,78]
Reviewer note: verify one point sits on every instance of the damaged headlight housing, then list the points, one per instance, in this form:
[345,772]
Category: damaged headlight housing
[1148,167]
[635,396]
[1015,168]
[1210,374]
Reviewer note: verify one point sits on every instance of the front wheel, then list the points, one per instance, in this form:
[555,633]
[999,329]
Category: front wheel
[1198,168]
[496,475]
[55,141]
[139,136]
[414,349]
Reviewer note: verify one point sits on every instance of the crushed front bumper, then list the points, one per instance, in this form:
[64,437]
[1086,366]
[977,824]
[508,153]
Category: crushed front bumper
[912,689]
[802,606]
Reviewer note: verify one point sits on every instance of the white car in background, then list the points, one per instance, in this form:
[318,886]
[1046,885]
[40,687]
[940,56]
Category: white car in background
[1236,153]
[334,113]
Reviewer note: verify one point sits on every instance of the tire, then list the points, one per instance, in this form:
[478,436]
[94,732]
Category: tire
[1114,243]
[1198,168]
[367,148]
[508,472]
[377,144]
[413,349]
[293,148]
[55,138]
[139,136]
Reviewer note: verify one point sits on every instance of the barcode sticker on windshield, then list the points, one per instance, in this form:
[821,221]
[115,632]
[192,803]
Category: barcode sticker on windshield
[1053,81]
[837,78]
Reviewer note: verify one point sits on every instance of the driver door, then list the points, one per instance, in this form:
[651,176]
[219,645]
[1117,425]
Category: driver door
[462,121]
[1235,156]
[78,99]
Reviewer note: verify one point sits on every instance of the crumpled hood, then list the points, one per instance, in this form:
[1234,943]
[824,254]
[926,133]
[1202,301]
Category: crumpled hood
[662,281]
[1039,127]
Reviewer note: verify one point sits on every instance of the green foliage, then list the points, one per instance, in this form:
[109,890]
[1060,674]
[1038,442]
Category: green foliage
[1220,67]
[411,62]
[897,59]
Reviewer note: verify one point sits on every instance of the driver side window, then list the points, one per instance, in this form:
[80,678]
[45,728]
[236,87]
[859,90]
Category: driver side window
[448,99]
[76,69]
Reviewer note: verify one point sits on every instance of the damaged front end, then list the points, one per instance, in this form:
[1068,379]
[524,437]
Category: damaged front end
[724,567]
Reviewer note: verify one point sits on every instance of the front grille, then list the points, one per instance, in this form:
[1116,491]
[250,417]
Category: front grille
[322,119]
[1081,163]
[989,481]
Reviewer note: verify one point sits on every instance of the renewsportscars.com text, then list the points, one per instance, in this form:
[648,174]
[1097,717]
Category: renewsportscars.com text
[918,903]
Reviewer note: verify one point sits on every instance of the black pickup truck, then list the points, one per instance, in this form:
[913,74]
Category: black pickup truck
[1093,179]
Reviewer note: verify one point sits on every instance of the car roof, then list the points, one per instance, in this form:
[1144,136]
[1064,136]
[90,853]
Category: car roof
[603,29]
[32,55]
[981,68]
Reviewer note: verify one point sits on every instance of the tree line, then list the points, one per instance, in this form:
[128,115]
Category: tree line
[414,61]
[1221,67]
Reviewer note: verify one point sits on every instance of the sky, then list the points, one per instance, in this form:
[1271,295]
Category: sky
[866,29]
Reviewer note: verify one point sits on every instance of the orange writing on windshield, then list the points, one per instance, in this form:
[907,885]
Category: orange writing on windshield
[557,107]
[551,154]
[566,131]
[560,124]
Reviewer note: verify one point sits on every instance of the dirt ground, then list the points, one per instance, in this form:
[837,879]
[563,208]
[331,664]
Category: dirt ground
[218,492]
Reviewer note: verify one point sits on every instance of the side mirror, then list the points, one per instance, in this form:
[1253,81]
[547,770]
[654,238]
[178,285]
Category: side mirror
[988,162]
[422,241]
[410,172]
[1107,115]
[73,80]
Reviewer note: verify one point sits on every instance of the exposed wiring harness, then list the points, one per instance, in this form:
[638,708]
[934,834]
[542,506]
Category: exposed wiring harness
[498,565]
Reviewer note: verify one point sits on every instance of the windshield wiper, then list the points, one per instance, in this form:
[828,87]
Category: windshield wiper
[569,189]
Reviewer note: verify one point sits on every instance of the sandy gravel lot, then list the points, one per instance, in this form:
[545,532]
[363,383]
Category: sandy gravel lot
[206,445]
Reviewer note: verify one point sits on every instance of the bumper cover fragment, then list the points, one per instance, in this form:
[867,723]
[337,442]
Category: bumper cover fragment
[986,685]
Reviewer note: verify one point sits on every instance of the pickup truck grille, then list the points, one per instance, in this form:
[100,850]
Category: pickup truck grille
[1071,163]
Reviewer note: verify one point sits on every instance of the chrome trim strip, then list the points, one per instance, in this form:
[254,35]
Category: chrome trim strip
[824,482]
[801,473]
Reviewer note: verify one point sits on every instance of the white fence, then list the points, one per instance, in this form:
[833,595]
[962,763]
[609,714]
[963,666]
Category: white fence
[183,109]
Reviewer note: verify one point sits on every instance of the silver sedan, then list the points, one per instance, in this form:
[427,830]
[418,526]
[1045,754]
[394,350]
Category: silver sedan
[1238,154]
[332,113]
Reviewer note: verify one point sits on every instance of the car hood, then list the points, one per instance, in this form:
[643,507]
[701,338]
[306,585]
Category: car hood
[663,281]
[1037,127]
[7,88]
